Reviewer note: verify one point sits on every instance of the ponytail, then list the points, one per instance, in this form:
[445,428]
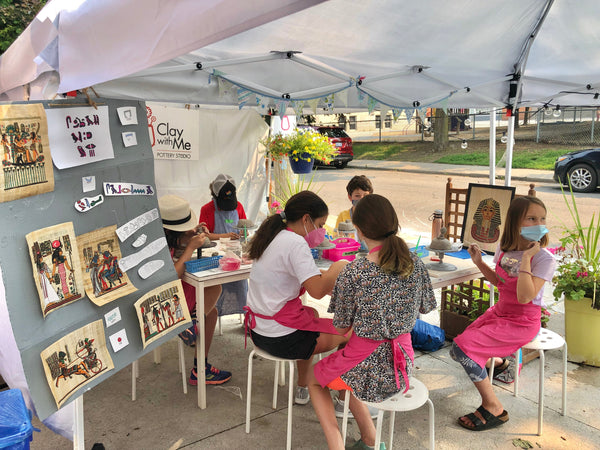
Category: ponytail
[265,234]
[304,202]
[377,220]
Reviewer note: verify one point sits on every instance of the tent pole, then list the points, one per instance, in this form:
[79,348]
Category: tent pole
[492,146]
[509,149]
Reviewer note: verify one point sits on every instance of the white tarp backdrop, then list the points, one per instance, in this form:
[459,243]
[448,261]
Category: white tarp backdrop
[385,54]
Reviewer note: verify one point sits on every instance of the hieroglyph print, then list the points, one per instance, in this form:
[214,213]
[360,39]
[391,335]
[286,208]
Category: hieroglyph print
[56,268]
[74,360]
[161,309]
[25,152]
[99,253]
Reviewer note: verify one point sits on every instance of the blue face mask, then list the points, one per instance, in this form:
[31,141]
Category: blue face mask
[354,202]
[534,233]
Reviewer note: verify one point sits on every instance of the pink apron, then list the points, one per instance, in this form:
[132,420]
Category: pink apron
[504,328]
[357,350]
[294,315]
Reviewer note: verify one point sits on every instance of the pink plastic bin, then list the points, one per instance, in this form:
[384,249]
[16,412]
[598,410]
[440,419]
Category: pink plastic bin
[345,248]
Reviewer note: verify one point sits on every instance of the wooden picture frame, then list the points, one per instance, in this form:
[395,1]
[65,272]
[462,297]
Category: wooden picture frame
[485,214]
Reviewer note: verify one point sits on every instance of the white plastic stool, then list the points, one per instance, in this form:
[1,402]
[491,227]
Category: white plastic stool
[416,396]
[135,370]
[546,340]
[263,354]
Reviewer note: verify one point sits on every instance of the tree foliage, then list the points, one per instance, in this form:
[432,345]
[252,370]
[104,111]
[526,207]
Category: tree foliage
[15,16]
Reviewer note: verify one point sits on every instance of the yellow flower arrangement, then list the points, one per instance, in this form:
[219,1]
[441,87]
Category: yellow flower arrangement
[304,143]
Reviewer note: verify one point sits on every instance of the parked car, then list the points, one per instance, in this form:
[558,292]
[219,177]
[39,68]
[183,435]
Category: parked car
[342,142]
[581,168]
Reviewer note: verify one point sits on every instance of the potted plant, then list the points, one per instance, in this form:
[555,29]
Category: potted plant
[577,277]
[302,147]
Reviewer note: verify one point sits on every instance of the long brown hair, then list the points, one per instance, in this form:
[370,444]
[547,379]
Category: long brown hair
[304,202]
[377,220]
[511,236]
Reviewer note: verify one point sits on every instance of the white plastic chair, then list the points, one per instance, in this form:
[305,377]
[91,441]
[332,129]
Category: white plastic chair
[263,354]
[135,369]
[545,340]
[416,396]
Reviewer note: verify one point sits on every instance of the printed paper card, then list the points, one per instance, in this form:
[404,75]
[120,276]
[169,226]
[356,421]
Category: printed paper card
[79,135]
[127,115]
[25,152]
[56,268]
[74,360]
[99,253]
[160,310]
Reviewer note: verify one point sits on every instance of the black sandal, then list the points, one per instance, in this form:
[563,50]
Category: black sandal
[491,421]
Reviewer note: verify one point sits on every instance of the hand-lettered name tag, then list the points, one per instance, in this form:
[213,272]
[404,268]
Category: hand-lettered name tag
[87,203]
[119,188]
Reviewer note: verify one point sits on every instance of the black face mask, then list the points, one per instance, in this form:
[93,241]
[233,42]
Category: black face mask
[227,200]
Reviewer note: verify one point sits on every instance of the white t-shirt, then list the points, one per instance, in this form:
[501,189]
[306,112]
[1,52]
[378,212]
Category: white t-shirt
[277,277]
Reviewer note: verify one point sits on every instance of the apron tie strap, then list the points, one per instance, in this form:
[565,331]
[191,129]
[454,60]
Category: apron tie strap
[250,321]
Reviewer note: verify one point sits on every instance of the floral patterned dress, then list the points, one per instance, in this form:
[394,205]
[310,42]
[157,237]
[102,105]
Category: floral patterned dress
[379,306]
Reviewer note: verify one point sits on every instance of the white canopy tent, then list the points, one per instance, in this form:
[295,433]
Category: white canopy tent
[311,55]
[384,54]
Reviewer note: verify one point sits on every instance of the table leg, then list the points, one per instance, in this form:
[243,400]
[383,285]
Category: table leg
[200,342]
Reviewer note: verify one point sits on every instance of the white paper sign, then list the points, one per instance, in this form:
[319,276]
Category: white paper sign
[79,136]
[174,132]
[127,115]
[119,340]
[122,188]
[129,138]
[112,317]
[124,231]
[151,249]
[88,184]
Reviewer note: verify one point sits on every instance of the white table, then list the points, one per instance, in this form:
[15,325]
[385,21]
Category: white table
[200,280]
[466,271]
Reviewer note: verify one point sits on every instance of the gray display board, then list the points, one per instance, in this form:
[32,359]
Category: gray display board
[32,332]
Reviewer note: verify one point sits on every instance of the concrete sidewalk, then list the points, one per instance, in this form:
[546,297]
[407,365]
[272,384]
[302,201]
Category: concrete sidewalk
[539,176]
[163,417]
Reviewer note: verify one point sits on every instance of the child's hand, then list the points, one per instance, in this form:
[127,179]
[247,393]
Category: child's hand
[475,253]
[534,247]
[197,241]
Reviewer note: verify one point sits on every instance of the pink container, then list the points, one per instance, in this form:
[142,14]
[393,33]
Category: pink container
[345,248]
[228,263]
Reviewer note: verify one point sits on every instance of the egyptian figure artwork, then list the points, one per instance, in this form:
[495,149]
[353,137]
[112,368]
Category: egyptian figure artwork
[160,310]
[99,253]
[75,360]
[486,221]
[24,151]
[56,269]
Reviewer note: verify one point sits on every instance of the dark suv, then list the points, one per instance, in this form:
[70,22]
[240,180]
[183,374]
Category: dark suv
[341,141]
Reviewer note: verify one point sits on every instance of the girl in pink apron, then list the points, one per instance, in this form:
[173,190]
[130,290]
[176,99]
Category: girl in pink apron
[523,265]
[282,268]
[379,298]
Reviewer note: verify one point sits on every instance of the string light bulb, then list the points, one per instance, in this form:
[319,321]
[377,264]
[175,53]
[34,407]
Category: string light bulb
[464,144]
[504,138]
[557,112]
[547,110]
[468,122]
